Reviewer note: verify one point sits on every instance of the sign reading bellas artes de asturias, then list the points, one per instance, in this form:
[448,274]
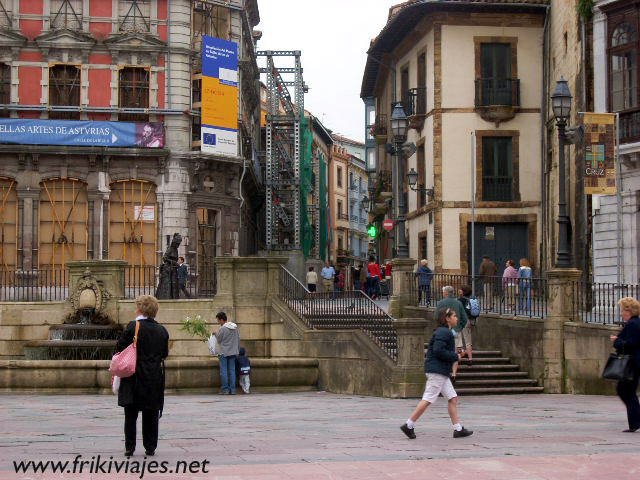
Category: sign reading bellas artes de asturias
[81,133]
[599,153]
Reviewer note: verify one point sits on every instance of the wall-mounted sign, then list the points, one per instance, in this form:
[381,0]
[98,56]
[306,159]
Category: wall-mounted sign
[78,132]
[219,127]
[489,233]
[599,153]
[145,213]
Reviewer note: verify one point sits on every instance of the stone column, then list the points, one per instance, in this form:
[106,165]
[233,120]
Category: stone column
[401,274]
[407,379]
[28,226]
[561,283]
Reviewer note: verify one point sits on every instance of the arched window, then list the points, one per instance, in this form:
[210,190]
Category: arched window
[623,68]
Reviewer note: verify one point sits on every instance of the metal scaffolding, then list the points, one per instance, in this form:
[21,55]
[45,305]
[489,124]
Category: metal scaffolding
[283,150]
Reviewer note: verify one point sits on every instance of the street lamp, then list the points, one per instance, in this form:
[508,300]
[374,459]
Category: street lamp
[412,180]
[399,127]
[561,105]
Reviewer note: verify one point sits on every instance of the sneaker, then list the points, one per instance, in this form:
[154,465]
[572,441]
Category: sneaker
[408,431]
[150,453]
[629,430]
[462,433]
[231,392]
[128,453]
[470,363]
[222,392]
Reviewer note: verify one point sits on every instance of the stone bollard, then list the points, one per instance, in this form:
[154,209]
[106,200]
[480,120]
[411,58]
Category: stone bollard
[561,283]
[411,340]
[402,276]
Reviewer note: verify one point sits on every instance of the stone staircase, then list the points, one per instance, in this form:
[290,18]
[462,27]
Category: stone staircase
[491,374]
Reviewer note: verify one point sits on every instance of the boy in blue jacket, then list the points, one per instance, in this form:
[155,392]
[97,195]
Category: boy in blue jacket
[243,370]
[441,356]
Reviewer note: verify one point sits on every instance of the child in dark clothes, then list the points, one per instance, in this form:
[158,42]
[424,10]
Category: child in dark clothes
[243,370]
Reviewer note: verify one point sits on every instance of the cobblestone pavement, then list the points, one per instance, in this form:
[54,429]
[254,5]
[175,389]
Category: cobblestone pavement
[318,435]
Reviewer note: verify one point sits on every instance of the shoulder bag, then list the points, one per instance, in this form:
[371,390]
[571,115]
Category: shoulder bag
[123,364]
[619,367]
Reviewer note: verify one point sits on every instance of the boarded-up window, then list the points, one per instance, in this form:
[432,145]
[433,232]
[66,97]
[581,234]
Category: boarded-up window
[6,8]
[133,92]
[64,90]
[66,14]
[207,248]
[134,15]
[63,216]
[132,222]
[5,87]
[211,20]
[8,225]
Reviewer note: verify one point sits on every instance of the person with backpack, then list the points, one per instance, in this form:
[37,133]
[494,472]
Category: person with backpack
[449,301]
[472,309]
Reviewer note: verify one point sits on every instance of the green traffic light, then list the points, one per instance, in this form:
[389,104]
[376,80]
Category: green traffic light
[372,231]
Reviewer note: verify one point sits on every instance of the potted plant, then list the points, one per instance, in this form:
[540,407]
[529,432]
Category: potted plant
[379,132]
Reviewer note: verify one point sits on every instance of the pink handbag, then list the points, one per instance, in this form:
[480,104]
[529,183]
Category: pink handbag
[123,364]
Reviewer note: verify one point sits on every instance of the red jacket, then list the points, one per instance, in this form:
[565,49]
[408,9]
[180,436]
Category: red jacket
[374,269]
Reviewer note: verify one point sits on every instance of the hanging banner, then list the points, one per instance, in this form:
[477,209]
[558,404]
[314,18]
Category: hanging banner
[599,153]
[219,127]
[85,133]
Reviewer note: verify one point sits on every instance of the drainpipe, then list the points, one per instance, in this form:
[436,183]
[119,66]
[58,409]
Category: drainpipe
[168,62]
[543,136]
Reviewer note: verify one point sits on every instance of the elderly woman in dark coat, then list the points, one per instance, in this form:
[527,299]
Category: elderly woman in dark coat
[627,342]
[144,390]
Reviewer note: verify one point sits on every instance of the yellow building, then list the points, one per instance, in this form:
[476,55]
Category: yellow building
[469,78]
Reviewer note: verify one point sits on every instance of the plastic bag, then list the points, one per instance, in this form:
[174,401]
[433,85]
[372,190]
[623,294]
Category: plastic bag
[213,344]
[115,384]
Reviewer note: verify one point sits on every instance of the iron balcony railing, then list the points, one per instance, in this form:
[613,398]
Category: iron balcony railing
[345,310]
[517,296]
[36,285]
[143,280]
[416,101]
[598,302]
[497,91]
[498,189]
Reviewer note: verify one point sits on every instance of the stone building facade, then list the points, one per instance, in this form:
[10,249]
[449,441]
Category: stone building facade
[461,70]
[124,61]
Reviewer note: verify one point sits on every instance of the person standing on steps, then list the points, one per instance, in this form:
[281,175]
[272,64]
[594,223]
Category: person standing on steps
[464,297]
[312,280]
[449,301]
[228,347]
[183,273]
[327,273]
[441,356]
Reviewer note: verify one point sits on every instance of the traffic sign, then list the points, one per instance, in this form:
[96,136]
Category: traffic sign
[387,224]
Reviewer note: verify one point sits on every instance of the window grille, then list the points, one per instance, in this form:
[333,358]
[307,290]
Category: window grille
[6,13]
[134,15]
[497,169]
[66,14]
[133,92]
[211,20]
[64,90]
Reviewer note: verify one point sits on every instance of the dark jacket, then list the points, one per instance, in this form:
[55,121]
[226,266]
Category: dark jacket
[628,341]
[243,364]
[424,275]
[441,354]
[487,269]
[145,388]
[456,306]
[183,272]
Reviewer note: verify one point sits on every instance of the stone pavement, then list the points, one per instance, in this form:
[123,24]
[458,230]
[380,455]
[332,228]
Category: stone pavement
[318,435]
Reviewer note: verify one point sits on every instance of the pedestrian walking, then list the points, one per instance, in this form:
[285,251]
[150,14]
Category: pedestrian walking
[228,339]
[487,272]
[327,273]
[312,280]
[464,297]
[340,280]
[144,390]
[243,370]
[627,342]
[440,358]
[449,301]
[425,275]
[510,284]
[374,280]
[183,274]
[525,273]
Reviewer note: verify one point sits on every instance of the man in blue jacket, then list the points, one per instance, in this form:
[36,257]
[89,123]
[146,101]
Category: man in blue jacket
[441,356]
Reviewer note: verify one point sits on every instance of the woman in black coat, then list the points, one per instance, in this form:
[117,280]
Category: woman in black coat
[144,390]
[627,342]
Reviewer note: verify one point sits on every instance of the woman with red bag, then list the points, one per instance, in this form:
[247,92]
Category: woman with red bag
[144,390]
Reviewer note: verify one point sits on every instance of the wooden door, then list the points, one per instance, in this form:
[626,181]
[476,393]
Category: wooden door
[63,228]
[207,248]
[133,222]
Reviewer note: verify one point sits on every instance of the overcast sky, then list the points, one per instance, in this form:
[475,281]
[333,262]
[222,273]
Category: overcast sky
[333,36]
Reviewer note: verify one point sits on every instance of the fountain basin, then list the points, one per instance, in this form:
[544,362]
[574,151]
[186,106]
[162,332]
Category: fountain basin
[70,349]
[84,332]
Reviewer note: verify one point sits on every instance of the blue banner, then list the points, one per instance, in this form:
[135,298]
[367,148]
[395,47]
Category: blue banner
[78,133]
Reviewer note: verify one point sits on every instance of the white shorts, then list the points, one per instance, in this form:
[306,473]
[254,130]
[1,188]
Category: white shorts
[437,384]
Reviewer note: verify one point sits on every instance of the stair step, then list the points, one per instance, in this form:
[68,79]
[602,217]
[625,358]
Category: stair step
[497,381]
[478,374]
[479,368]
[478,353]
[498,390]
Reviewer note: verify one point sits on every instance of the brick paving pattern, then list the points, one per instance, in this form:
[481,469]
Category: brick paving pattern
[318,435]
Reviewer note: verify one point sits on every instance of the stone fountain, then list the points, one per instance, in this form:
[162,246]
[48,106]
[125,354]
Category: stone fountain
[88,332]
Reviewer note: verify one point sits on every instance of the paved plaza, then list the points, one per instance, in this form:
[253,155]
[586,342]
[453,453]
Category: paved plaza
[318,435]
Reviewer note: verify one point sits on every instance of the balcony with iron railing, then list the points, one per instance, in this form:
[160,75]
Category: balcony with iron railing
[497,99]
[498,189]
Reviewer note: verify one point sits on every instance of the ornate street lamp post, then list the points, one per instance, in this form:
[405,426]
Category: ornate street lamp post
[561,105]
[399,127]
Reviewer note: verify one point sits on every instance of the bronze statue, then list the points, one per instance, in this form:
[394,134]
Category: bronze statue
[168,284]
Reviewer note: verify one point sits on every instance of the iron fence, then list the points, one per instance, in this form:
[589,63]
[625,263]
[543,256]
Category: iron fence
[36,285]
[143,280]
[345,310]
[517,296]
[598,302]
